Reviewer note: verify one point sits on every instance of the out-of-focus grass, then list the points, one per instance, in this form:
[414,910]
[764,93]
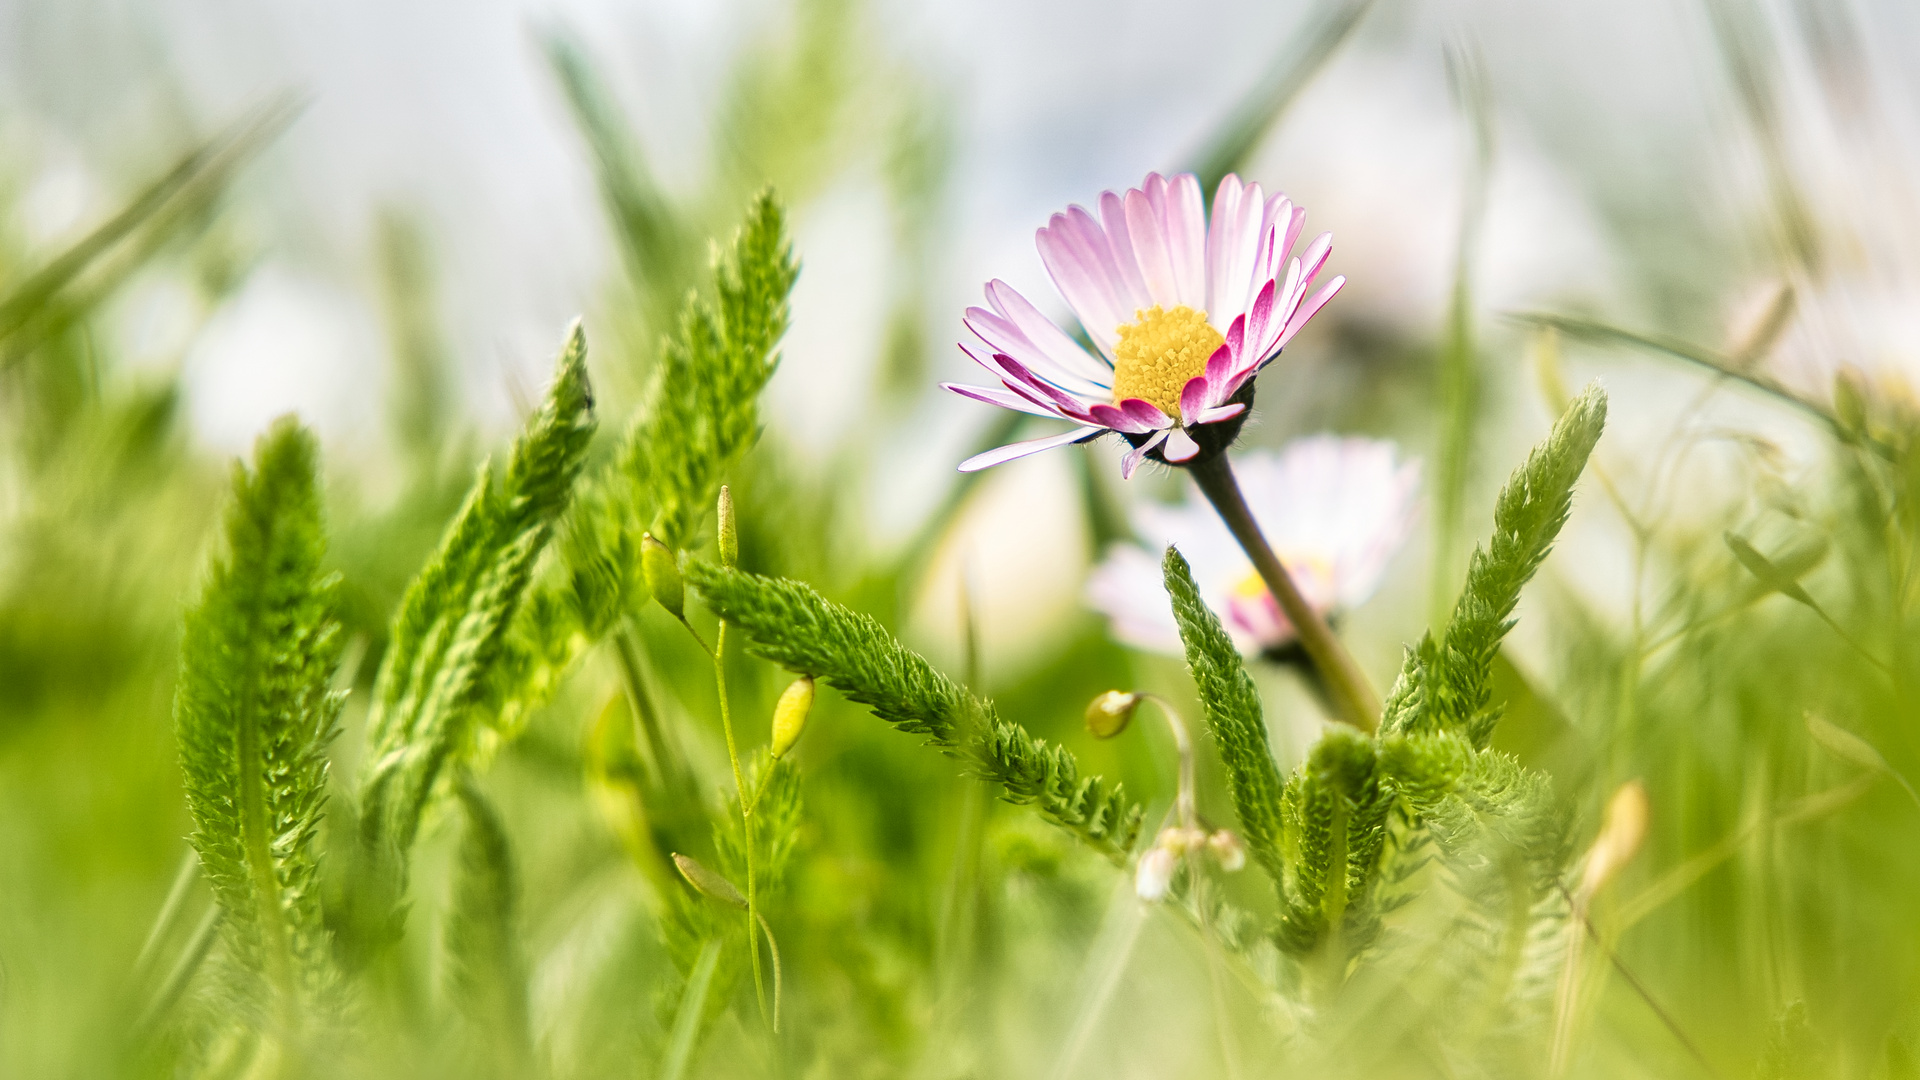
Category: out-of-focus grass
[1768,928]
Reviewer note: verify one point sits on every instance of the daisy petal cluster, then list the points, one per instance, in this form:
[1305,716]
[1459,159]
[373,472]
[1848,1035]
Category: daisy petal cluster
[1183,310]
[1336,510]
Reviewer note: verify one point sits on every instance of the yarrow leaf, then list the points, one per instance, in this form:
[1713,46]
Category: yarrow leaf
[1449,687]
[793,626]
[1232,707]
[254,713]
[453,620]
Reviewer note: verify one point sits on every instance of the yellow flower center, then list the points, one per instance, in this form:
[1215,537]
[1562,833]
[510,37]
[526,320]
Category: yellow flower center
[1157,355]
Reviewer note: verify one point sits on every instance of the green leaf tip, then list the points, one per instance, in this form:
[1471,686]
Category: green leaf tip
[1447,685]
[793,626]
[254,712]
[1233,713]
[702,407]
[448,636]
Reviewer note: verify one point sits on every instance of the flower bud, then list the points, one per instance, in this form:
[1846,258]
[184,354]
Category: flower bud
[729,531]
[1154,876]
[663,576]
[790,715]
[1227,850]
[1109,713]
[707,883]
[1180,840]
[1622,830]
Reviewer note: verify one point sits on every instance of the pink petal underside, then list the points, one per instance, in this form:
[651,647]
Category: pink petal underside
[1047,340]
[1236,336]
[1257,320]
[1180,446]
[1187,239]
[1219,367]
[1139,454]
[1148,230]
[1003,454]
[1067,403]
[1113,218]
[1003,337]
[1003,398]
[1193,399]
[1115,417]
[1146,412]
[1308,309]
[1013,383]
[1224,412]
[1311,263]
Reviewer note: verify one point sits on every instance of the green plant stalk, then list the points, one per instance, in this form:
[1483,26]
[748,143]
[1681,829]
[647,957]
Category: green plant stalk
[746,812]
[1358,703]
[666,763]
[686,1022]
[259,847]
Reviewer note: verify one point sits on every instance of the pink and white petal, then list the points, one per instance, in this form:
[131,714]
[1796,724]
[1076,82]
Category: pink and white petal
[1193,399]
[1002,454]
[1139,454]
[1080,262]
[1187,239]
[1224,412]
[1180,446]
[1219,370]
[1308,309]
[1259,316]
[1147,228]
[1004,336]
[1232,258]
[1115,417]
[1226,216]
[1047,336]
[1068,404]
[1142,411]
[1113,219]
[1006,399]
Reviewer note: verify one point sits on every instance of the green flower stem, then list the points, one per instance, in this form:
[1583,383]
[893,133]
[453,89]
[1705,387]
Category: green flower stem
[746,811]
[1346,684]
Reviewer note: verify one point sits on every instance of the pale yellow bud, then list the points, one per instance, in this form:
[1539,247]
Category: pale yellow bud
[729,531]
[1108,714]
[662,572]
[1154,876]
[1622,830]
[790,715]
[707,883]
[1180,840]
[1227,850]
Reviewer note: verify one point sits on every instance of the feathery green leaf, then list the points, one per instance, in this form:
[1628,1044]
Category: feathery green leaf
[1232,707]
[1448,688]
[254,713]
[449,633]
[793,626]
[702,409]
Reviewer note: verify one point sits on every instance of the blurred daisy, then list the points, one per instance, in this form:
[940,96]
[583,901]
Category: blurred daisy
[1335,509]
[1183,311]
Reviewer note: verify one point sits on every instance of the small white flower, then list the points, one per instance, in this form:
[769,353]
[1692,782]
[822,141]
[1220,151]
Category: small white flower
[1228,850]
[1154,876]
[1335,509]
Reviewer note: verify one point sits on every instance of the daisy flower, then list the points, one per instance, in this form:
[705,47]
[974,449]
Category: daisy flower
[1335,509]
[1182,311]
